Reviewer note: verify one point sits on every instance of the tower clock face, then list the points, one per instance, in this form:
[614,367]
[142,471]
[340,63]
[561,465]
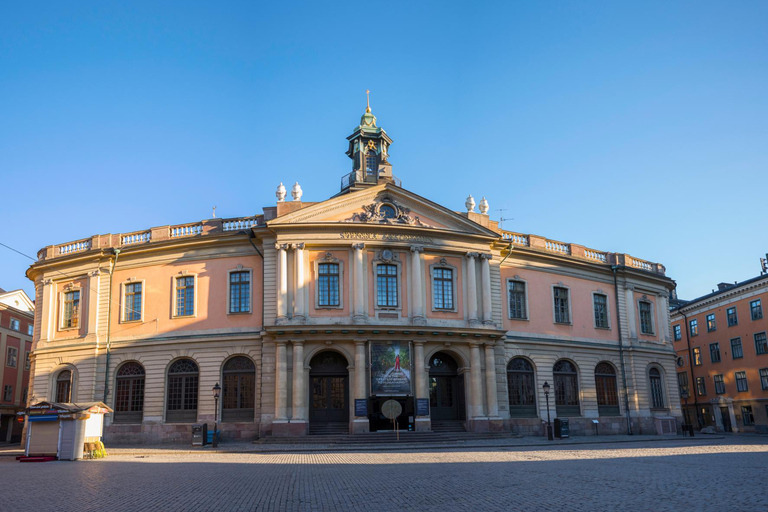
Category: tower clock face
[388,211]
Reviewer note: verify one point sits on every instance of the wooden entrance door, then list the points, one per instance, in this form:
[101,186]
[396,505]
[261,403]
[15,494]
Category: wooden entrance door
[446,393]
[328,389]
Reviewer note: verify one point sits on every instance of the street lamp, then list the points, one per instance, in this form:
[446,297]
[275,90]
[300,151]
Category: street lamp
[546,396]
[216,392]
[688,427]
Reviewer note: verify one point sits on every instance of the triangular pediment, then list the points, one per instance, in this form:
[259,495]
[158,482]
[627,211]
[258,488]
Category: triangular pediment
[18,299]
[383,205]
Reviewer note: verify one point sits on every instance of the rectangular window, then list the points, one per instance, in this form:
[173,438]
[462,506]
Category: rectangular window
[711,325]
[386,286]
[719,384]
[694,327]
[696,356]
[741,381]
[27,362]
[678,333]
[7,393]
[562,314]
[682,382]
[71,309]
[701,386]
[30,330]
[736,350]
[761,343]
[240,292]
[12,357]
[442,288]
[756,309]
[601,310]
[15,324]
[733,318]
[132,302]
[714,352]
[328,285]
[517,309]
[185,296]
[646,318]
[764,378]
[24,395]
[746,415]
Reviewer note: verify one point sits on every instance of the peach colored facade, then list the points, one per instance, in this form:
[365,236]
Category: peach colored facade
[331,284]
[730,349]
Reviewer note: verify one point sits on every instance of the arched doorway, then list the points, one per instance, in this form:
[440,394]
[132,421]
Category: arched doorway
[446,389]
[328,393]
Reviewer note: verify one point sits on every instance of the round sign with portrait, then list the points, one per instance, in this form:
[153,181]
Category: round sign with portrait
[391,409]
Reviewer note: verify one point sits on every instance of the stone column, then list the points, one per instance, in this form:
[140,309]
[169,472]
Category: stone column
[662,324]
[631,308]
[359,302]
[282,281]
[417,299]
[299,413]
[734,425]
[360,424]
[420,384]
[486,285]
[47,311]
[280,423]
[492,399]
[300,310]
[476,416]
[92,303]
[718,416]
[471,287]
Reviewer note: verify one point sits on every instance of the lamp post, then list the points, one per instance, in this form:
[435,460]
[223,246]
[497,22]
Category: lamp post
[545,387]
[216,392]
[688,427]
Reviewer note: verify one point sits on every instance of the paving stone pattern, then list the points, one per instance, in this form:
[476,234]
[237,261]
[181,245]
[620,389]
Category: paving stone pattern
[707,475]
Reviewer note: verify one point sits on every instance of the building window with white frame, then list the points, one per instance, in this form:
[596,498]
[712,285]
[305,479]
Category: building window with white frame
[764,378]
[8,393]
[12,357]
[27,362]
[761,343]
[386,285]
[600,303]
[711,324]
[733,317]
[657,389]
[646,318]
[678,334]
[694,327]
[696,356]
[701,386]
[185,296]
[747,417]
[328,285]
[64,386]
[562,309]
[517,301]
[714,352]
[442,288]
[736,349]
[30,330]
[71,311]
[756,309]
[132,300]
[719,384]
[741,382]
[15,324]
[240,291]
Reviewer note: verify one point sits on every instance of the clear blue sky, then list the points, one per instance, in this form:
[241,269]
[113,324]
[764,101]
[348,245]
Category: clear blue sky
[635,127]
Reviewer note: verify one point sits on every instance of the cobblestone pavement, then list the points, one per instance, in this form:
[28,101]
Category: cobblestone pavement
[714,474]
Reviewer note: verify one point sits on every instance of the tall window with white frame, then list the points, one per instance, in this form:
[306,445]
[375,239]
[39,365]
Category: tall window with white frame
[562,310]
[694,324]
[736,349]
[756,309]
[64,386]
[386,286]
[701,386]
[71,309]
[646,318]
[12,357]
[678,334]
[714,352]
[239,389]
[240,292]
[442,288]
[741,382]
[657,389]
[517,306]
[600,303]
[181,403]
[696,356]
[185,296]
[566,388]
[733,317]
[607,390]
[132,310]
[719,384]
[15,324]
[761,343]
[328,285]
[8,393]
[129,393]
[711,324]
[763,378]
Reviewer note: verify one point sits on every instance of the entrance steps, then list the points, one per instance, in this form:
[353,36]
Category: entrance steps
[388,437]
[329,429]
[448,426]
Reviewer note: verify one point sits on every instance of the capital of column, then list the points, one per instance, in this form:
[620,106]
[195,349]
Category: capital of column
[472,255]
[281,247]
[486,256]
[281,343]
[358,247]
[417,248]
[297,343]
[299,246]
[419,342]
[360,342]
[94,273]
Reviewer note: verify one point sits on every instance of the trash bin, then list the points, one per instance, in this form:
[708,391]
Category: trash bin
[210,436]
[562,429]
[199,434]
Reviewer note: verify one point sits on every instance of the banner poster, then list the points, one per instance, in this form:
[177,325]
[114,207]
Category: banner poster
[390,368]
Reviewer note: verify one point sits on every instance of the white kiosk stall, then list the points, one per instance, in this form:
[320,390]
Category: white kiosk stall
[62,430]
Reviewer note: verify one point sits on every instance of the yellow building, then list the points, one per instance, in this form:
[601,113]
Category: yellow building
[313,314]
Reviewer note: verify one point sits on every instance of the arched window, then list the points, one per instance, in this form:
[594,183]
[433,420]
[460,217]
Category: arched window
[657,389]
[566,389]
[522,390]
[239,391]
[607,392]
[183,378]
[129,393]
[64,386]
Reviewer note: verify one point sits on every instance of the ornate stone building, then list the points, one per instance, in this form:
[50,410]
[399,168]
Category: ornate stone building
[312,314]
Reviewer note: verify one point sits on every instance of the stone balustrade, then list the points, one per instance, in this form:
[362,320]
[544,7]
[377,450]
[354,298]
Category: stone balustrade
[240,224]
[186,230]
[69,248]
[139,237]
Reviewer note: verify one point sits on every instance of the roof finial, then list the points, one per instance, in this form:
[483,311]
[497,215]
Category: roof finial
[367,100]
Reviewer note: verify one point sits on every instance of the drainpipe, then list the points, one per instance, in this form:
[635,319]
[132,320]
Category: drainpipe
[614,268]
[109,323]
[690,362]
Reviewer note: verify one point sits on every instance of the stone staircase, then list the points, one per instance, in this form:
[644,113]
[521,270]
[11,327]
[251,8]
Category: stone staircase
[329,429]
[388,437]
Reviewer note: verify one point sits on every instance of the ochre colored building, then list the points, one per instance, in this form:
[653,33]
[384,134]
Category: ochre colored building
[16,324]
[720,339]
[313,314]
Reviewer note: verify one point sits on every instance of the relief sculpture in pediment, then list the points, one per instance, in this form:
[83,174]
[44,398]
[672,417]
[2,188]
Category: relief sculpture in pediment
[386,212]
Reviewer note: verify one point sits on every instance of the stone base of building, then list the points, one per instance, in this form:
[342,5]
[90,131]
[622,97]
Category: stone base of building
[285,428]
[423,425]
[580,426]
[178,433]
[360,426]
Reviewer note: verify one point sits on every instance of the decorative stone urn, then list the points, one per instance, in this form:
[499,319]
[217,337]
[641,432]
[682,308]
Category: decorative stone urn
[296,192]
[280,193]
[470,203]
